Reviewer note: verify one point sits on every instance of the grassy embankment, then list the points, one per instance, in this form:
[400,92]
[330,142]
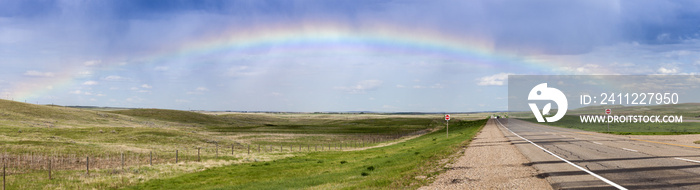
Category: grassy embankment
[396,166]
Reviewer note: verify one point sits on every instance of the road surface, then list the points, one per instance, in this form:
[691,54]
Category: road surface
[610,160]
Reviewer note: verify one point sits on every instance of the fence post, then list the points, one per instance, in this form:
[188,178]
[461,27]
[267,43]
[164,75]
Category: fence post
[199,159]
[87,165]
[122,162]
[232,149]
[176,156]
[49,168]
[249,149]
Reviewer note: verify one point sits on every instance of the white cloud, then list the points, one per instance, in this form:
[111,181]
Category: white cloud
[34,73]
[79,92]
[400,86]
[239,71]
[390,107]
[142,89]
[134,99]
[494,80]
[85,73]
[664,70]
[92,62]
[663,37]
[161,68]
[437,85]
[362,86]
[182,101]
[587,69]
[114,78]
[198,90]
[90,83]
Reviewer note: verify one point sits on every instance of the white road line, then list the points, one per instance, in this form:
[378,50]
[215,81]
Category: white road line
[689,160]
[597,143]
[627,149]
[570,163]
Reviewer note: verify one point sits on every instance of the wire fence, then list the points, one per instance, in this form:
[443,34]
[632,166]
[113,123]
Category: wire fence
[15,164]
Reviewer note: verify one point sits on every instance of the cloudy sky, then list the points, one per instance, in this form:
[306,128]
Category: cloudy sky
[432,56]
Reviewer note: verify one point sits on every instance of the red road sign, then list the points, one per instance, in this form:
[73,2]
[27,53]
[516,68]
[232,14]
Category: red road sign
[607,111]
[447,117]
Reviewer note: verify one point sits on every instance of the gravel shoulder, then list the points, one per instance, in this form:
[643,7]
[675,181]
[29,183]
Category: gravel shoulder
[490,162]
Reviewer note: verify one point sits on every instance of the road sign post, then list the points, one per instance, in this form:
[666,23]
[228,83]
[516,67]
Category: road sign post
[447,118]
[608,112]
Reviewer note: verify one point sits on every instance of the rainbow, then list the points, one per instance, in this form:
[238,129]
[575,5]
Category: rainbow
[300,40]
[332,38]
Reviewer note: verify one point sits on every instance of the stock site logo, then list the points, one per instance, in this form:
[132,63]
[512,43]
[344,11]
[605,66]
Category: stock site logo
[542,92]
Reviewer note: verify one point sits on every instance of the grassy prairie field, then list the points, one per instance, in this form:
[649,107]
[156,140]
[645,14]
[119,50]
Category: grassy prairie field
[121,143]
[405,165]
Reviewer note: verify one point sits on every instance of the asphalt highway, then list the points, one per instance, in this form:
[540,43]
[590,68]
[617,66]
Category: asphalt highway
[604,161]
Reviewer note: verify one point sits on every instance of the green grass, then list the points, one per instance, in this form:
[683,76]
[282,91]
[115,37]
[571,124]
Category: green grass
[574,122]
[60,132]
[361,126]
[389,167]
[174,116]
[257,123]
